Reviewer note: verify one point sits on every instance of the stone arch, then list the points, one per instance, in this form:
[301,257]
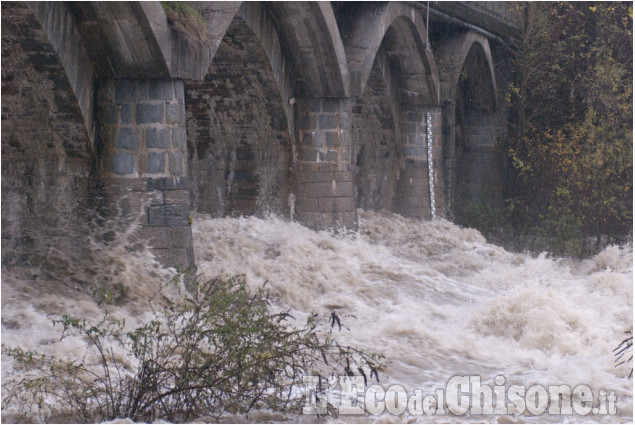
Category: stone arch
[302,56]
[256,16]
[48,183]
[125,40]
[364,28]
[473,162]
[393,82]
[311,39]
[377,151]
[301,40]
[476,80]
[452,55]
[67,43]
[238,132]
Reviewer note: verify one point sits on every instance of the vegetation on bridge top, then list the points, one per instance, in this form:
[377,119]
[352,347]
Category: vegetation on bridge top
[186,18]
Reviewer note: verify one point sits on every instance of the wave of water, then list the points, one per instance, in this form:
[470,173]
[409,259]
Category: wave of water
[439,301]
[435,298]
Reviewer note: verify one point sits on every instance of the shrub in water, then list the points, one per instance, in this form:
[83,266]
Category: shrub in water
[217,349]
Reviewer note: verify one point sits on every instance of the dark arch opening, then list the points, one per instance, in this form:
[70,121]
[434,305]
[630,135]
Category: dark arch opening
[376,156]
[387,125]
[238,136]
[477,163]
[48,166]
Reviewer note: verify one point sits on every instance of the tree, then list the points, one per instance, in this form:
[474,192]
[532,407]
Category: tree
[572,99]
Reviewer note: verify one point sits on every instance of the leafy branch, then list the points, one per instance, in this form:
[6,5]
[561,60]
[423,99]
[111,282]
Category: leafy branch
[216,349]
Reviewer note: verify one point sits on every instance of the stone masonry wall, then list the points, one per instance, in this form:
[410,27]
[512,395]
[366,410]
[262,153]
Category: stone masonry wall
[377,156]
[143,138]
[324,192]
[270,128]
[48,183]
[438,164]
[478,159]
[413,188]
[142,127]
[239,139]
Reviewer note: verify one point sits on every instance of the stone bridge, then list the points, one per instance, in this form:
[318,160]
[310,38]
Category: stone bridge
[309,110]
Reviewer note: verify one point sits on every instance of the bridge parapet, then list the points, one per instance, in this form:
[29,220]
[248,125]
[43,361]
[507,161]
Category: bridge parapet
[500,18]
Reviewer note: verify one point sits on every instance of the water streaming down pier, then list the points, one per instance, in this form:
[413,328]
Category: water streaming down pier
[435,298]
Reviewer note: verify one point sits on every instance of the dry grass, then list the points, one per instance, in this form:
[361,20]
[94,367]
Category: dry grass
[186,18]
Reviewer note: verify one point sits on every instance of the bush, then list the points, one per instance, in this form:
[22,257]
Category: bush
[478,215]
[624,352]
[491,222]
[217,349]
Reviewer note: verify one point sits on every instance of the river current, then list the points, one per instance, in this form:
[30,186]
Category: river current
[436,299]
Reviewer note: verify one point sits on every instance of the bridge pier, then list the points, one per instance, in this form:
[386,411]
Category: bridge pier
[142,135]
[449,153]
[324,178]
[438,165]
[413,192]
[271,120]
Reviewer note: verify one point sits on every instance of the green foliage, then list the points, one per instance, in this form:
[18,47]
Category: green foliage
[217,349]
[105,295]
[479,215]
[491,222]
[187,19]
[562,229]
[182,7]
[572,96]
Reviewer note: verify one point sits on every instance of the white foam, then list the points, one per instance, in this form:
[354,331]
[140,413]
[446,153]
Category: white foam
[436,299]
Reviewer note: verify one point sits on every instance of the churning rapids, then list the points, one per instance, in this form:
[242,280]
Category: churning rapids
[435,298]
